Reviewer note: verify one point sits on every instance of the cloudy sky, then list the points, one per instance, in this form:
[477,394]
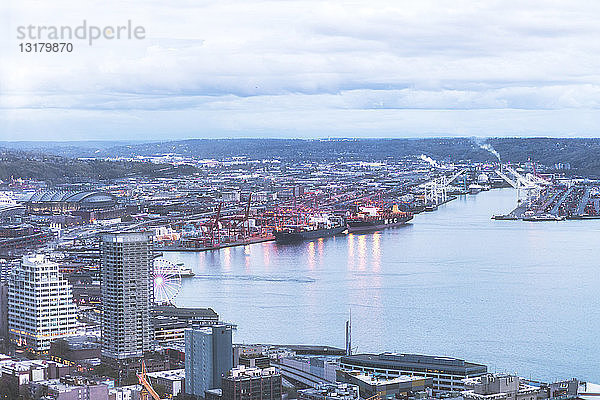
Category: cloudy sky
[305,69]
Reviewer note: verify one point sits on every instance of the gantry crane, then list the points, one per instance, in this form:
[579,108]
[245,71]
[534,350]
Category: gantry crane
[436,191]
[528,187]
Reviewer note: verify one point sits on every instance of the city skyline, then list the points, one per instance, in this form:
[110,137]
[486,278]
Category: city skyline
[299,200]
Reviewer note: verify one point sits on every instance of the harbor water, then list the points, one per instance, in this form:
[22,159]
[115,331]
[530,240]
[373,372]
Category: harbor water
[517,296]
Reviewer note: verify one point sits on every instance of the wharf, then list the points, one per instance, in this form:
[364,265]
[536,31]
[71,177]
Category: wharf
[220,246]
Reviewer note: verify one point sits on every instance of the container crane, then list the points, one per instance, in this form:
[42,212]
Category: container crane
[528,187]
[215,225]
[436,191]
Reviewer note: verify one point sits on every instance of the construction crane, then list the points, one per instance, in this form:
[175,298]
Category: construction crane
[148,389]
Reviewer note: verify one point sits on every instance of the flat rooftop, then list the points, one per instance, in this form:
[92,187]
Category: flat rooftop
[377,380]
[185,312]
[394,360]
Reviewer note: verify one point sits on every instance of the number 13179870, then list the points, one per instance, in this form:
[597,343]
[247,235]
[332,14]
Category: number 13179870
[45,47]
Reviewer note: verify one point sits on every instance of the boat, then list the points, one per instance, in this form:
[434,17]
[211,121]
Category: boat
[475,188]
[184,271]
[375,218]
[318,227]
[583,216]
[542,217]
[430,208]
[504,217]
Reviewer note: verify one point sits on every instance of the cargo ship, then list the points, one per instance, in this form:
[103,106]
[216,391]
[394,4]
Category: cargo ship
[318,227]
[375,218]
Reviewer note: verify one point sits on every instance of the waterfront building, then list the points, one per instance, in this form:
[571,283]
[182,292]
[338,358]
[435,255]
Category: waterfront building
[170,322]
[309,370]
[208,358]
[168,330]
[371,384]
[127,294]
[193,317]
[252,384]
[40,305]
[330,391]
[500,387]
[447,373]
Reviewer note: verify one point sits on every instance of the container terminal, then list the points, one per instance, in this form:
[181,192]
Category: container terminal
[543,197]
[241,201]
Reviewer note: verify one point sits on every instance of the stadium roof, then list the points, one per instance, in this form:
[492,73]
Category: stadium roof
[59,196]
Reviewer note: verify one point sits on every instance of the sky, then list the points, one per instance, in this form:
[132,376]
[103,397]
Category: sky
[304,68]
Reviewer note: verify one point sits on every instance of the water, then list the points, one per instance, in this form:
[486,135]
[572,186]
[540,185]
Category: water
[516,296]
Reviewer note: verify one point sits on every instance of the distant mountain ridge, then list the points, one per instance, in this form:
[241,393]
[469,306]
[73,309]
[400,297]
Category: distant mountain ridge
[583,155]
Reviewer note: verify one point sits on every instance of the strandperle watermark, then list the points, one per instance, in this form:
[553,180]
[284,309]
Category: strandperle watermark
[84,31]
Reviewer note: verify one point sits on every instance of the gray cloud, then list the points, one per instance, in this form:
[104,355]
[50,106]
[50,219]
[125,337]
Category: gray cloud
[251,66]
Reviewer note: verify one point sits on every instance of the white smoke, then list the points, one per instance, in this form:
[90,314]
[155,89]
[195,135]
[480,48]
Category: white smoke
[430,160]
[489,148]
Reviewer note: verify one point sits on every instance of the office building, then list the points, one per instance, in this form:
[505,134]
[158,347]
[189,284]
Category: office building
[252,384]
[68,388]
[447,373]
[208,358]
[309,369]
[500,387]
[40,305]
[193,317]
[399,387]
[127,294]
[254,361]
[76,348]
[172,381]
[3,309]
[170,322]
[330,391]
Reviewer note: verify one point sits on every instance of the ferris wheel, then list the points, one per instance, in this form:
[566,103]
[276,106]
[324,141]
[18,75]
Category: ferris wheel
[167,281]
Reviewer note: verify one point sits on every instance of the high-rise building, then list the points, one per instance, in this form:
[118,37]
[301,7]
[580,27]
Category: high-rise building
[252,384]
[40,304]
[127,294]
[208,358]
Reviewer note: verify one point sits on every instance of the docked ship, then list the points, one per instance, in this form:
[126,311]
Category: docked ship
[375,218]
[530,217]
[318,227]
[504,217]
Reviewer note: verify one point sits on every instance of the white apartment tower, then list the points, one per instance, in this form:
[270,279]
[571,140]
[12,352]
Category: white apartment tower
[127,294]
[40,304]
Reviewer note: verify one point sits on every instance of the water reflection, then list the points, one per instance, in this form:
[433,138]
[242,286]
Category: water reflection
[454,282]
